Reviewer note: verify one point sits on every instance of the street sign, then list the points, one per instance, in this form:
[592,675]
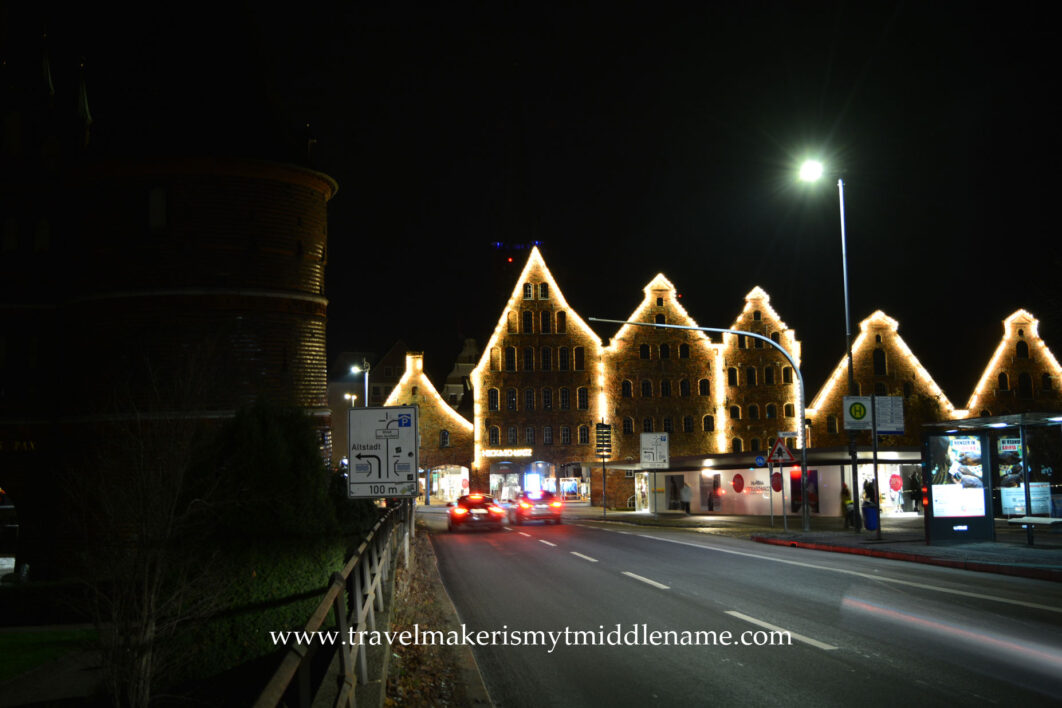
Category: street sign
[384,454]
[780,454]
[604,439]
[760,460]
[655,454]
[857,414]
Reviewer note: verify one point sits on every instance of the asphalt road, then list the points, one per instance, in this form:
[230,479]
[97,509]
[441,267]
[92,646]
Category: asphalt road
[864,631]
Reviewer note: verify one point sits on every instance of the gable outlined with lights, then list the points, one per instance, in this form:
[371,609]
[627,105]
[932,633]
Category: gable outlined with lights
[1021,369]
[445,435]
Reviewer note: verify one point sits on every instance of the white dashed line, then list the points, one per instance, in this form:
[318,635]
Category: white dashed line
[547,543]
[592,560]
[646,580]
[775,628]
[525,534]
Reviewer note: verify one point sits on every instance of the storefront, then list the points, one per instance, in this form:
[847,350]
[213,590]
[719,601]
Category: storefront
[509,478]
[447,482]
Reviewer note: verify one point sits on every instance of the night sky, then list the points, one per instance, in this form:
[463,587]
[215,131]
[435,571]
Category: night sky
[629,140]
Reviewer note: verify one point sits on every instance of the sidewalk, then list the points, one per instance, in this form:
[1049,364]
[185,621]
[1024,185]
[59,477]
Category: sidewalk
[902,538]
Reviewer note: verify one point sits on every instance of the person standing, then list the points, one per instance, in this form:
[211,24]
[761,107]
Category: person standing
[686,495]
[847,507]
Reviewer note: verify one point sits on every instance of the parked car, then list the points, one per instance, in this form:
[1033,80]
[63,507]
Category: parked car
[536,506]
[474,511]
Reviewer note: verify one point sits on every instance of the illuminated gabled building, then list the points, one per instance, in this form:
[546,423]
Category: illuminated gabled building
[758,391]
[445,436]
[537,388]
[885,366]
[1022,376]
[661,380]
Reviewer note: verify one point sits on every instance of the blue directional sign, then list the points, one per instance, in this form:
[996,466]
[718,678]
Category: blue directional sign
[760,460]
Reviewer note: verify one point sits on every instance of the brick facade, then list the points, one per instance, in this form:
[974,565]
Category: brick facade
[1023,375]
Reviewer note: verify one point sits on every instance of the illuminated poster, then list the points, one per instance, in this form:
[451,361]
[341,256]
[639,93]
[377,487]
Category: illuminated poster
[813,490]
[1011,477]
[957,482]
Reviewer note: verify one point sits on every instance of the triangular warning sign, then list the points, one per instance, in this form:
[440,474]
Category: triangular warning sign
[780,454]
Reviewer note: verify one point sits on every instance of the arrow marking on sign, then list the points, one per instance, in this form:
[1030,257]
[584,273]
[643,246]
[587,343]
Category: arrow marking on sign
[379,465]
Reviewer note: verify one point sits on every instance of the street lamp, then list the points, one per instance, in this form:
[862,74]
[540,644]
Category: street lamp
[811,171]
[351,397]
[364,368]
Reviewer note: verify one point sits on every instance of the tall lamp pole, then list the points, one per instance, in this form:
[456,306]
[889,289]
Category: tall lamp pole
[811,171]
[363,369]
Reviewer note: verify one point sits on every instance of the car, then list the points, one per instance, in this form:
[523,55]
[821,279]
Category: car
[474,511]
[536,506]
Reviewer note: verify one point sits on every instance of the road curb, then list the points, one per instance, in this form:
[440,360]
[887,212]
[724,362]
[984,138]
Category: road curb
[979,566]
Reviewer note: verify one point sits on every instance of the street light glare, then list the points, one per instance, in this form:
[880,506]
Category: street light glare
[811,170]
[355,369]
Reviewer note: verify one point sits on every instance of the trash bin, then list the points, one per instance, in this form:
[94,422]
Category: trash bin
[870,517]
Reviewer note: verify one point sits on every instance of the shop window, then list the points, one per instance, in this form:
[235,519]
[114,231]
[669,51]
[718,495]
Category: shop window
[684,351]
[668,426]
[511,434]
[1022,350]
[704,387]
[684,388]
[545,359]
[547,399]
[547,435]
[1025,385]
[582,398]
[529,358]
[628,389]
[529,322]
[444,438]
[510,399]
[510,358]
[529,435]
[565,399]
[647,388]
[687,424]
[566,435]
[731,376]
[735,445]
[543,291]
[831,424]
[788,410]
[545,322]
[879,362]
[754,412]
[580,358]
[643,351]
[768,375]
[584,435]
[665,388]
[665,351]
[770,411]
[750,376]
[647,425]
[628,426]
[708,423]
[529,291]
[735,412]
[1004,382]
[562,359]
[494,435]
[562,322]
[787,374]
[529,399]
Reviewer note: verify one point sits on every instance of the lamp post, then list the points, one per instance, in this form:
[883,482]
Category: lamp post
[363,369]
[351,397]
[811,171]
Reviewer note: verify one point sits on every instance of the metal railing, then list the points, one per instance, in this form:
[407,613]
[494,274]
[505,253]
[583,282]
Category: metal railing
[354,597]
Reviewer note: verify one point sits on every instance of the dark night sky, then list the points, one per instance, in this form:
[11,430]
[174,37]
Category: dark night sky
[631,140]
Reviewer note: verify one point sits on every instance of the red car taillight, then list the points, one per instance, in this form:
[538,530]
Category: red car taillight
[555,504]
[459,511]
[524,505]
[496,510]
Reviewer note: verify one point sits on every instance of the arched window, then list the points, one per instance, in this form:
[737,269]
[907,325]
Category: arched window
[494,435]
[547,399]
[510,358]
[1022,350]
[584,434]
[628,426]
[647,388]
[787,375]
[565,399]
[735,445]
[543,291]
[545,323]
[879,362]
[582,398]
[687,424]
[647,425]
[735,412]
[1025,385]
[643,351]
[684,388]
[529,291]
[754,412]
[684,351]
[492,399]
[1004,382]
[580,359]
[665,351]
[768,375]
[665,388]
[529,322]
[731,377]
[511,317]
[770,411]
[510,399]
[511,434]
[708,423]
[529,358]
[668,426]
[545,359]
[750,376]
[628,389]
[562,322]
[788,410]
[776,337]
[444,438]
[831,424]
[704,387]
[562,359]
[529,399]
[495,359]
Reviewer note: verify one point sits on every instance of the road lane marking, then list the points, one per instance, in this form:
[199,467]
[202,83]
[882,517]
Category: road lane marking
[646,580]
[547,543]
[592,560]
[856,573]
[775,628]
[522,533]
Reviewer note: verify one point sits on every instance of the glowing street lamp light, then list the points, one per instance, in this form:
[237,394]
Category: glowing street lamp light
[811,171]
[351,397]
[364,368]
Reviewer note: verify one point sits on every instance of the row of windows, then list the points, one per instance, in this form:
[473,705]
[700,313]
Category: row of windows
[742,340]
[752,377]
[1025,388]
[769,411]
[529,291]
[542,359]
[668,425]
[663,351]
[704,387]
[531,399]
[545,322]
[531,434]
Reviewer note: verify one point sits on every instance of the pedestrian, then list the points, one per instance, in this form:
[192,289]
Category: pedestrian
[686,495]
[847,507]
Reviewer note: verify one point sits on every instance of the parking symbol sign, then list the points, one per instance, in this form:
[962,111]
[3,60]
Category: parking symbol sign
[405,420]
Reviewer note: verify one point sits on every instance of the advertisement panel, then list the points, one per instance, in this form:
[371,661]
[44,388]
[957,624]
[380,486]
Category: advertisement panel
[957,483]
